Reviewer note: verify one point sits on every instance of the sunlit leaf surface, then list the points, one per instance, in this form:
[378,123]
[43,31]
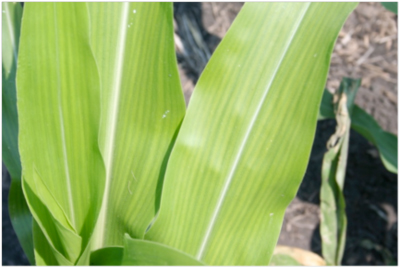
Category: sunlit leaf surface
[142,252]
[59,110]
[142,107]
[244,144]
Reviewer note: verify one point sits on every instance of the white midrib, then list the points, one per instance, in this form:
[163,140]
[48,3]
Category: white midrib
[60,113]
[11,32]
[112,119]
[228,180]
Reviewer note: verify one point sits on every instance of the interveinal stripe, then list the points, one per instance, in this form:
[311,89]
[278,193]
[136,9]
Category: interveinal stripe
[139,122]
[244,144]
[245,139]
[113,116]
[60,113]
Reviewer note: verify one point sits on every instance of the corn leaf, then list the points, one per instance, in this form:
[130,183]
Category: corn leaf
[59,109]
[142,107]
[107,256]
[391,6]
[21,218]
[326,106]
[142,252]
[46,254]
[244,144]
[333,224]
[386,142]
[367,126]
[55,225]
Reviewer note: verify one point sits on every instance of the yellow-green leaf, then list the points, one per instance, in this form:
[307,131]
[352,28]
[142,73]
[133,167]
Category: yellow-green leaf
[244,144]
[58,92]
[45,253]
[51,219]
[142,107]
[142,252]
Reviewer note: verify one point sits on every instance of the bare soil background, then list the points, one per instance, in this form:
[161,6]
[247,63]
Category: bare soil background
[367,49]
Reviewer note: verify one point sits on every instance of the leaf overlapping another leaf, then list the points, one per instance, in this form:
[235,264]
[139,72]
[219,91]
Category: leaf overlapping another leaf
[59,115]
[367,126]
[20,216]
[96,141]
[142,107]
[117,104]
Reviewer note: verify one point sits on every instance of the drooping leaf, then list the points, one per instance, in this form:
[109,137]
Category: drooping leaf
[333,224]
[58,92]
[386,142]
[142,252]
[20,216]
[243,147]
[326,109]
[367,126]
[142,108]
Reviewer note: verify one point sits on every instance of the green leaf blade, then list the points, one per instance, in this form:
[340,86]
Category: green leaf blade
[386,142]
[142,252]
[45,253]
[107,256]
[59,107]
[142,108]
[227,205]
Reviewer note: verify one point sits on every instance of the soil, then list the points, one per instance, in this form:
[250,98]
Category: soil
[367,49]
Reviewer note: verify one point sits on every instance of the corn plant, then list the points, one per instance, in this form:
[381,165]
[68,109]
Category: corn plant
[367,126]
[114,169]
[333,224]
